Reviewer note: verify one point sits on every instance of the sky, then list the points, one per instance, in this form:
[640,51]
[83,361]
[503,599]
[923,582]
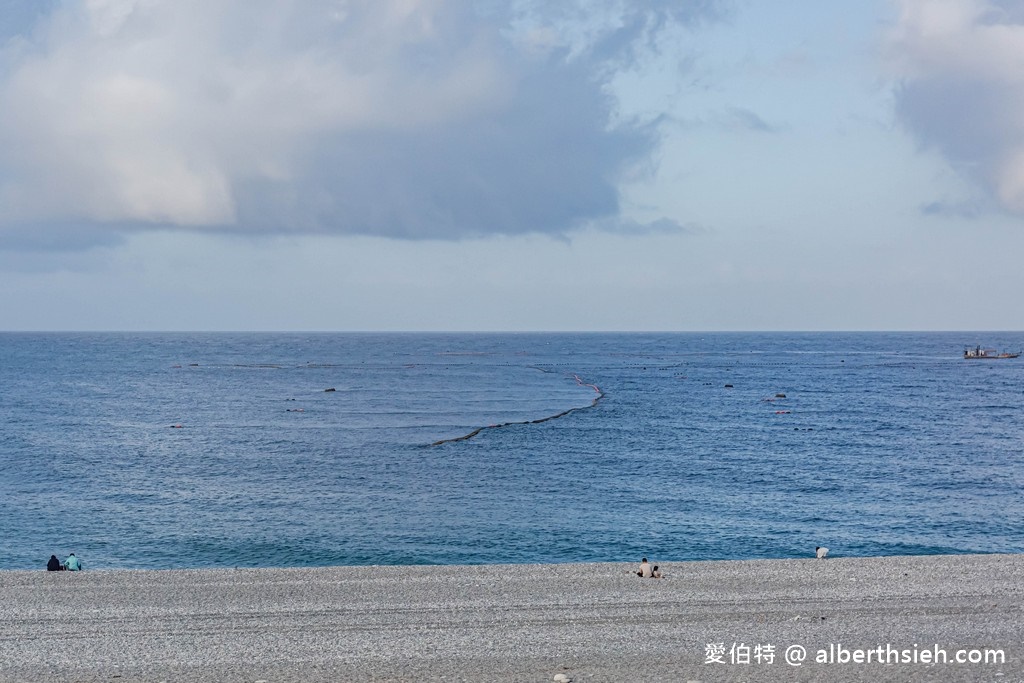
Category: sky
[511,165]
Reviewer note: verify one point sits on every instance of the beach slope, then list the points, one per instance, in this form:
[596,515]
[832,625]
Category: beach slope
[706,621]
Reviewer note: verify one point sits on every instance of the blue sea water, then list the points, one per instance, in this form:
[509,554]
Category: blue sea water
[674,446]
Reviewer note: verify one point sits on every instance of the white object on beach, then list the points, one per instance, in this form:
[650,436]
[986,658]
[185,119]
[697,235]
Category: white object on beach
[820,552]
[561,678]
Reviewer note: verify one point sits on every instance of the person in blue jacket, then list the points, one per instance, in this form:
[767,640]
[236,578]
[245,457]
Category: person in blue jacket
[72,564]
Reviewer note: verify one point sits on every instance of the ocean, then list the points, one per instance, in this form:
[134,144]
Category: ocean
[287,450]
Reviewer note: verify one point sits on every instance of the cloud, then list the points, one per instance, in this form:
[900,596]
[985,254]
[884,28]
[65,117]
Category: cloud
[661,226]
[965,209]
[738,118]
[961,88]
[401,118]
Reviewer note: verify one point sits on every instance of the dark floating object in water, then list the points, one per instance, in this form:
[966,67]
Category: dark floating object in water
[176,426]
[780,396]
[580,382]
[331,389]
[728,386]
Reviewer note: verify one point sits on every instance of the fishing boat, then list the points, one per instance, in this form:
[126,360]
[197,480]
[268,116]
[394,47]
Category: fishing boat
[979,353]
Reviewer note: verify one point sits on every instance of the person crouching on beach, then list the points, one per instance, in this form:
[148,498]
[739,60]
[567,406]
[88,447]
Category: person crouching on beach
[72,564]
[655,573]
[54,565]
[645,569]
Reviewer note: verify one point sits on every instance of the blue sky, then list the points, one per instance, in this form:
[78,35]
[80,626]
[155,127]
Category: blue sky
[514,165]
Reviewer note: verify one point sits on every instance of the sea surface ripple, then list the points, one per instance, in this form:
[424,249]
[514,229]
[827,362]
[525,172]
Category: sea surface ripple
[228,450]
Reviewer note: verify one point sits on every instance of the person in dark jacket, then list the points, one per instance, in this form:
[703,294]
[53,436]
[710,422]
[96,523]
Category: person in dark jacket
[54,565]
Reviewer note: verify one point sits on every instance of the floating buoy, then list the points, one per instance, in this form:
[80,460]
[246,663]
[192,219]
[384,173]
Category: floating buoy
[728,386]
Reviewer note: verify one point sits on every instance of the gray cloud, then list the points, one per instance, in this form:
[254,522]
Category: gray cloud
[969,210]
[661,226]
[961,89]
[428,119]
[743,119]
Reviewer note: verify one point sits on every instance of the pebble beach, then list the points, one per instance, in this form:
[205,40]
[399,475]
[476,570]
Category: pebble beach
[705,621]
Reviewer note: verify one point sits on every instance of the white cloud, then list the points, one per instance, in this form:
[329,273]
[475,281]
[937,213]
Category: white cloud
[414,118]
[962,87]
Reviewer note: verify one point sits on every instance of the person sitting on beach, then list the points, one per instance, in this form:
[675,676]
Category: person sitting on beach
[54,565]
[645,569]
[72,564]
[655,573]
